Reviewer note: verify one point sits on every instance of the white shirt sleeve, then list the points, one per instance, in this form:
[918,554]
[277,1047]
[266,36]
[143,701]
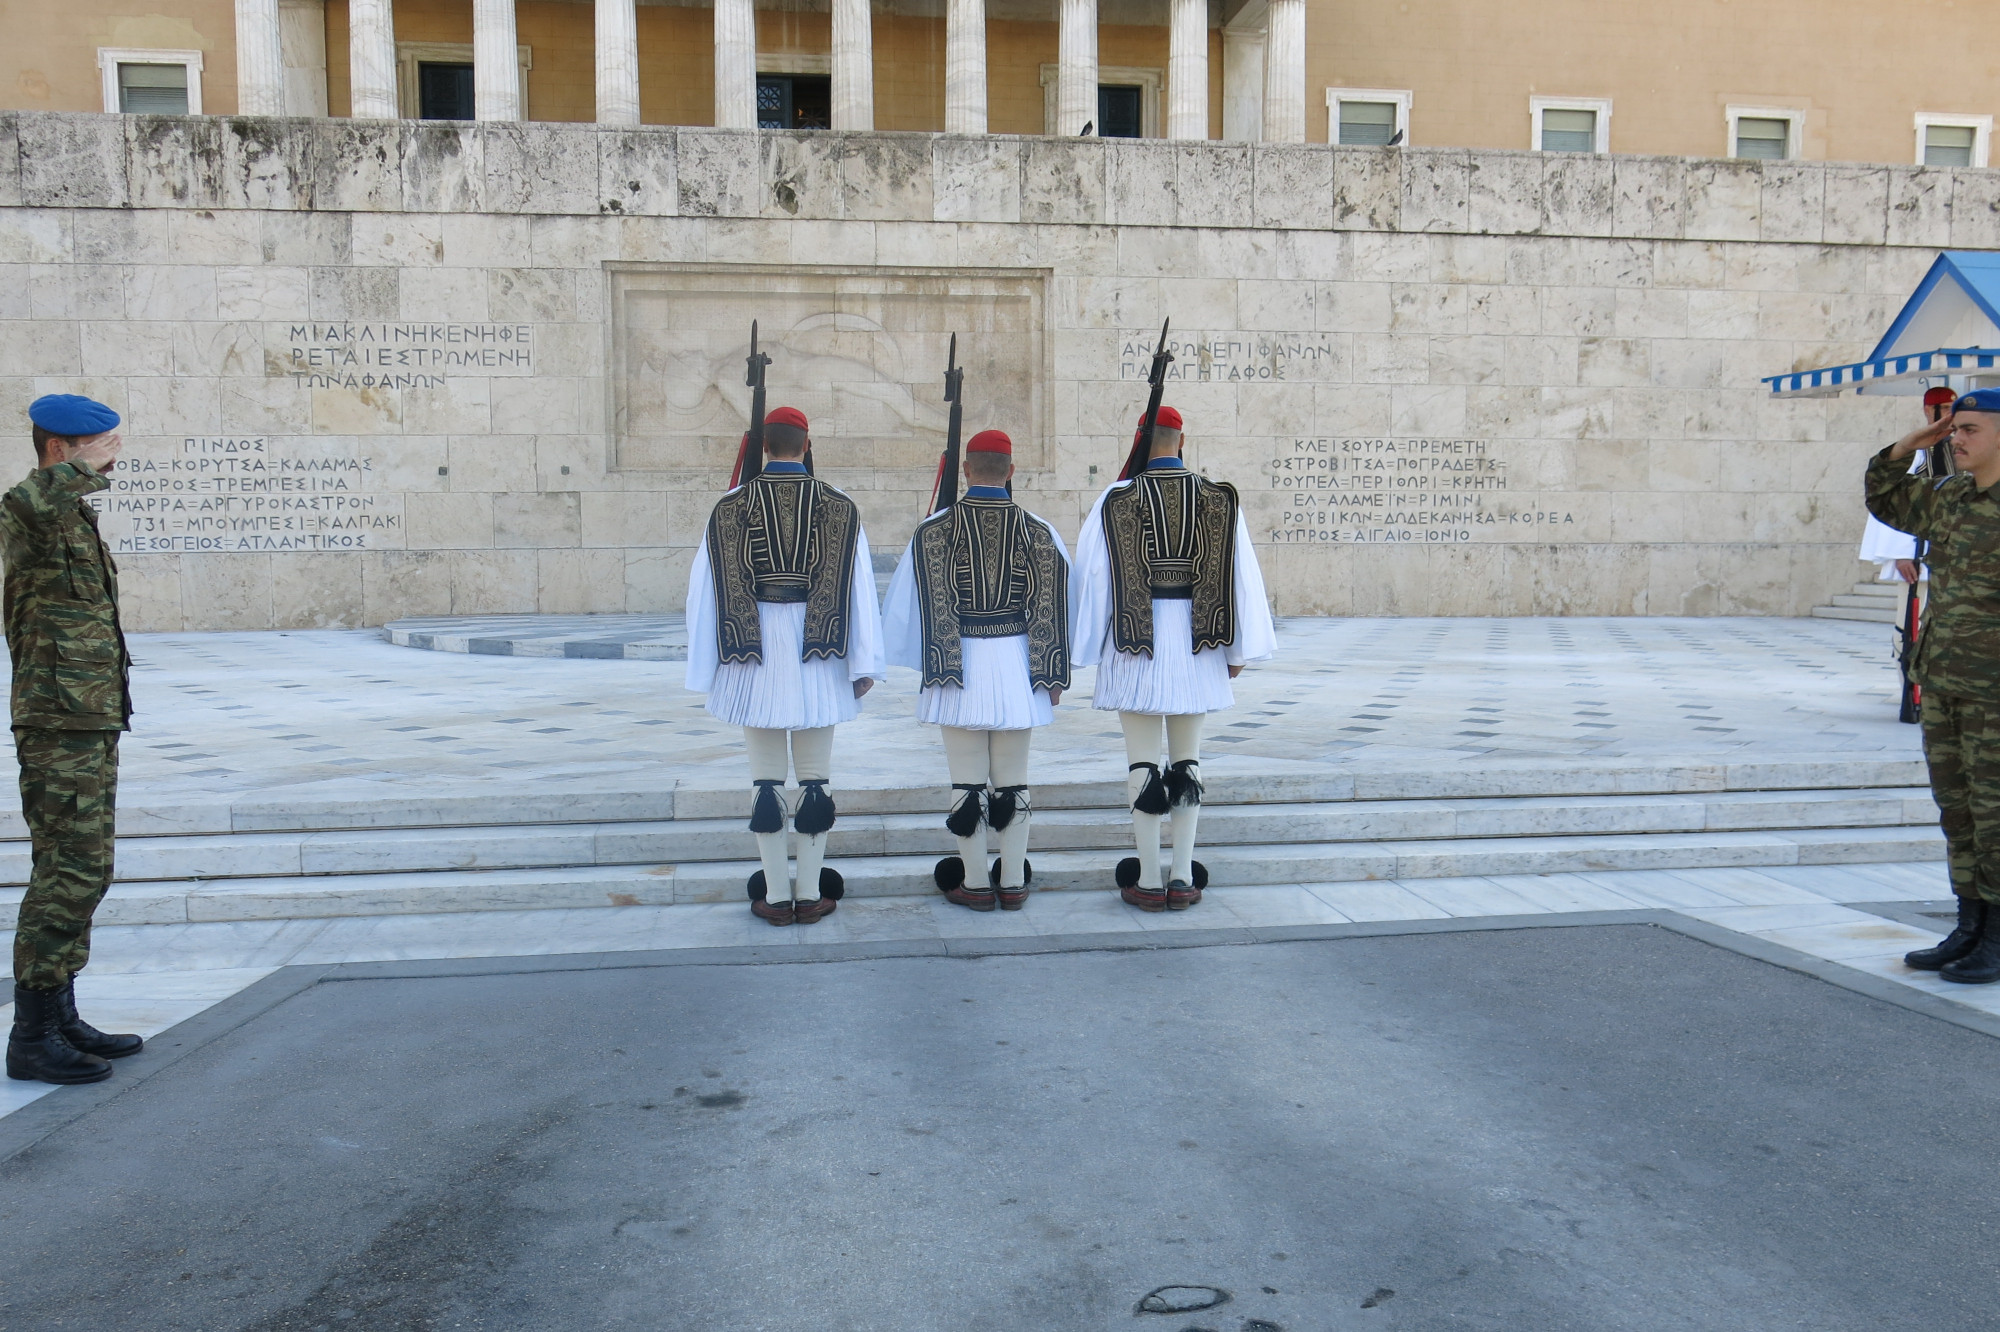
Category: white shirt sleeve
[864,633]
[1090,588]
[902,629]
[701,620]
[1256,633]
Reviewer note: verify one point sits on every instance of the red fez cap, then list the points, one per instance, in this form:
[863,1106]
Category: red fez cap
[1168,419]
[990,441]
[1938,397]
[787,416]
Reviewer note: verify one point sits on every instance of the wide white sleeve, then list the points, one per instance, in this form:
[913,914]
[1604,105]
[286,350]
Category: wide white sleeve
[701,617]
[864,618]
[1090,589]
[1883,544]
[1256,633]
[902,629]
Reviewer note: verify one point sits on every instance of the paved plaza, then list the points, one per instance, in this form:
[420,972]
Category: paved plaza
[1418,1103]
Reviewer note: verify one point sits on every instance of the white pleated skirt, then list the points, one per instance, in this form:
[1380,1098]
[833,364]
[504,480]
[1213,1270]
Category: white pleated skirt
[1175,681]
[782,693]
[997,695]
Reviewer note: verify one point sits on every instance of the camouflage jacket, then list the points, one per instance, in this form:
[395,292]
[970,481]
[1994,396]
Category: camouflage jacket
[71,672]
[1958,652]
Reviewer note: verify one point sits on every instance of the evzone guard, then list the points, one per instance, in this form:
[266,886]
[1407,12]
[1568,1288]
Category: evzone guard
[1169,606]
[979,605]
[784,637]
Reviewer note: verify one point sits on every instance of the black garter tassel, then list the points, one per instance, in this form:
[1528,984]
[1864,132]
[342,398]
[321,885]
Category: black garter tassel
[768,814]
[815,814]
[1152,797]
[963,820]
[1004,804]
[1183,786]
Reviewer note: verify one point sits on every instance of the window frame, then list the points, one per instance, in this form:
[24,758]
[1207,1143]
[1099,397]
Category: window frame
[1600,134]
[1150,81]
[1981,127]
[1404,98]
[1795,129]
[411,54]
[109,58]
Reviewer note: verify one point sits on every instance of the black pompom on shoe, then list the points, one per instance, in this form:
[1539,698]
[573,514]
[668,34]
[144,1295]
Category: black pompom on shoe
[1200,876]
[755,887]
[1027,873]
[831,886]
[1127,873]
[948,874]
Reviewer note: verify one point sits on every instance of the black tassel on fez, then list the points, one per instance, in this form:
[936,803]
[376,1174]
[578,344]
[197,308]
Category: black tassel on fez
[1004,804]
[963,820]
[1152,797]
[768,814]
[815,814]
[1183,786]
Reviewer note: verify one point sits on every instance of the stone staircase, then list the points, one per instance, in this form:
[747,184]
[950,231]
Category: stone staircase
[1874,602]
[264,859]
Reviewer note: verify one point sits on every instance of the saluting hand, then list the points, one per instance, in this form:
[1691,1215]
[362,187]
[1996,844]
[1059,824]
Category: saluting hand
[1926,437]
[97,454]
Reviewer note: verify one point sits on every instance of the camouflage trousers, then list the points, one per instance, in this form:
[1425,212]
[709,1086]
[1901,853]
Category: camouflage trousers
[1962,743]
[69,787]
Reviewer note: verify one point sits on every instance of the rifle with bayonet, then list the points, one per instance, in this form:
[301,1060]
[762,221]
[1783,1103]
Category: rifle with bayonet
[750,457]
[1142,442]
[944,493]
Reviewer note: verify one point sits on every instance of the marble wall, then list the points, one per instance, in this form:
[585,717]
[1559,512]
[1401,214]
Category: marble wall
[379,369]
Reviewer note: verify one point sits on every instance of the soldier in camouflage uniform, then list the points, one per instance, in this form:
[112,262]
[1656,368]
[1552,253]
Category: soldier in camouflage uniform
[1958,662]
[71,698]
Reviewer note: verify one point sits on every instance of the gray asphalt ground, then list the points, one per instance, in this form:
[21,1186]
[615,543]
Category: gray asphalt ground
[1586,1128]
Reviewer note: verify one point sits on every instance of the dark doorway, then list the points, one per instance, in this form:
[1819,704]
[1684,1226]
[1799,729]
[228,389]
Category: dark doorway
[794,101]
[1118,111]
[444,92]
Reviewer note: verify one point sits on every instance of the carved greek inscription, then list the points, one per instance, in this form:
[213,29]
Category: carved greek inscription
[344,354]
[1230,357]
[237,494]
[1404,490]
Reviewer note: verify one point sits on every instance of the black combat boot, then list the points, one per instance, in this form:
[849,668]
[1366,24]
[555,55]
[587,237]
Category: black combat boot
[82,1036]
[1962,940]
[1981,966]
[36,1049]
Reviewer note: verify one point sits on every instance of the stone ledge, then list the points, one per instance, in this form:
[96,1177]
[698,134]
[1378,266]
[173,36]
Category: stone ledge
[90,160]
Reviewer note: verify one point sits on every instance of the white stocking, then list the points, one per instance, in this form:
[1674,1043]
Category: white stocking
[1143,743]
[969,760]
[1010,768]
[1184,742]
[767,764]
[812,761]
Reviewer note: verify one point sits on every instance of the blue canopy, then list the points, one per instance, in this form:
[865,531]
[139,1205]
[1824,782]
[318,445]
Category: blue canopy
[1950,326]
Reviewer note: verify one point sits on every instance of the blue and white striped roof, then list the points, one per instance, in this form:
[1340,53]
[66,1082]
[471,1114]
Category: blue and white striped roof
[1949,326]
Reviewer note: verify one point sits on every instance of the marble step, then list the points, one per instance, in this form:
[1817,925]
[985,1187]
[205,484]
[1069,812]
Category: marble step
[358,805]
[1871,615]
[1880,591]
[167,903]
[549,846]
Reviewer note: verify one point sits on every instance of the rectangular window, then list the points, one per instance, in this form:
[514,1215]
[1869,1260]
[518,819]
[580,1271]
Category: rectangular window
[1120,111]
[1566,131]
[154,82]
[1949,145]
[1367,124]
[444,91]
[794,101]
[1766,138]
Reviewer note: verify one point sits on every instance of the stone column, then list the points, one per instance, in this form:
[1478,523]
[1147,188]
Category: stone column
[371,59]
[496,61]
[965,67]
[617,63]
[1076,76]
[735,64]
[1242,83]
[260,59]
[1285,73]
[853,66]
[1187,70]
[302,44]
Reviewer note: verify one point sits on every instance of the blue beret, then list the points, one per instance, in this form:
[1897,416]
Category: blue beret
[71,416]
[1979,400]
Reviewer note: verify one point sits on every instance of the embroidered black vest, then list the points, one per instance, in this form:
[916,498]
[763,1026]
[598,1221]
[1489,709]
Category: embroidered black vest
[1172,535]
[782,537]
[986,570]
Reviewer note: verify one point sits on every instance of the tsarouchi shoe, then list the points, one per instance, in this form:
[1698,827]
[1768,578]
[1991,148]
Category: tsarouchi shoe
[780,914]
[978,899]
[1182,895]
[818,908]
[1146,899]
[1011,899]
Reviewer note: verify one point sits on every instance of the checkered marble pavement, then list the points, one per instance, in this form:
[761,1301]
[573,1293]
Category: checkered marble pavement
[294,712]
